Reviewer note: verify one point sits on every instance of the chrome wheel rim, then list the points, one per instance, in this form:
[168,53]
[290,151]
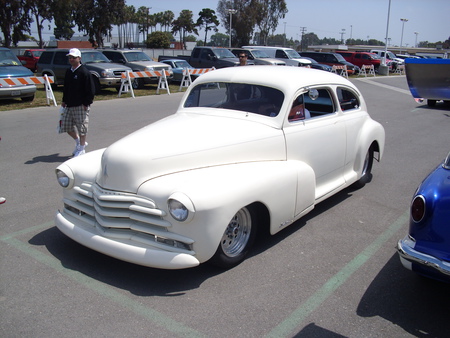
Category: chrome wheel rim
[237,233]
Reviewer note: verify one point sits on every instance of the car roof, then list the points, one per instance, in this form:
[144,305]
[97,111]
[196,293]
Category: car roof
[287,79]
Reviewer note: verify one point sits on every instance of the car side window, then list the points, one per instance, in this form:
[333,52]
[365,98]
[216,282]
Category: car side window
[305,106]
[27,53]
[61,59]
[347,99]
[280,54]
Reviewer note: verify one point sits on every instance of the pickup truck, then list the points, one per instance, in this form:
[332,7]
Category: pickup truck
[208,57]
[30,58]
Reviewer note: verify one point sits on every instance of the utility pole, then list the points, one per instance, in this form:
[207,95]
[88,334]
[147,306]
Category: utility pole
[303,30]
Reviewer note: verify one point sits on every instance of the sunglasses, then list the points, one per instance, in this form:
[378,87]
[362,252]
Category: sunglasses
[242,56]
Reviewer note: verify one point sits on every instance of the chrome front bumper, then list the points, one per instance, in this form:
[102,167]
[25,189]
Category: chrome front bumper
[408,255]
[123,250]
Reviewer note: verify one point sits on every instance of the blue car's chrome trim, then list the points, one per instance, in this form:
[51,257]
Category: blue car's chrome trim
[407,252]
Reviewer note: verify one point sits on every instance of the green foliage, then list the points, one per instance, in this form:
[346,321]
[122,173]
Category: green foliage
[183,25]
[15,20]
[207,20]
[158,40]
[218,40]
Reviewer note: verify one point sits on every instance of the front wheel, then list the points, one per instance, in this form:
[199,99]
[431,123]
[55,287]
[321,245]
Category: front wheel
[366,173]
[237,239]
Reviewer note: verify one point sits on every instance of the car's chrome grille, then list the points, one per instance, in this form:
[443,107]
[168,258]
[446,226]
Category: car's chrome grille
[118,73]
[122,215]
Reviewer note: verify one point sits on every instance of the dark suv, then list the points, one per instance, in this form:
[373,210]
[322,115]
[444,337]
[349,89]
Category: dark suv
[54,62]
[332,59]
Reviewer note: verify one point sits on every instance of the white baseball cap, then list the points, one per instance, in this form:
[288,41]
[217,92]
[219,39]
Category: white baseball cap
[75,52]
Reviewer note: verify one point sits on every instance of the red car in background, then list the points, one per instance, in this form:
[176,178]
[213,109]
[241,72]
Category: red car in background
[31,58]
[364,58]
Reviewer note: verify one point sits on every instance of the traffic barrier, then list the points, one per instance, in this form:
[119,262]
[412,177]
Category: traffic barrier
[340,70]
[367,70]
[32,80]
[187,72]
[128,77]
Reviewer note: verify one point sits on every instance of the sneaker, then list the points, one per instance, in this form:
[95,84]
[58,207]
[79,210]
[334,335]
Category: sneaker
[79,151]
[2,200]
[76,148]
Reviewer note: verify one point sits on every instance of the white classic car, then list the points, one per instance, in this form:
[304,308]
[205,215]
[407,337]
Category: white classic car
[250,148]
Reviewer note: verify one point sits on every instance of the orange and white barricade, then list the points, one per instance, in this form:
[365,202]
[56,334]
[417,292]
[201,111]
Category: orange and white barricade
[367,70]
[340,70]
[187,72]
[32,80]
[128,77]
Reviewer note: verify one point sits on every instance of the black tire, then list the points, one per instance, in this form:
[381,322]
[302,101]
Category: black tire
[366,173]
[137,83]
[431,103]
[28,98]
[237,239]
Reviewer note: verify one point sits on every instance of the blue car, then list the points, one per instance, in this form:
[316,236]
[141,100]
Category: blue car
[11,68]
[426,249]
[177,67]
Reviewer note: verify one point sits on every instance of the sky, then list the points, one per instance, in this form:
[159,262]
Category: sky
[328,18]
[361,19]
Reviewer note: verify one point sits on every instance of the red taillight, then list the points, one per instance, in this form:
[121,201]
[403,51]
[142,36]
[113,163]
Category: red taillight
[418,208]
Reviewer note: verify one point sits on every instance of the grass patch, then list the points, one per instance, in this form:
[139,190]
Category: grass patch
[40,99]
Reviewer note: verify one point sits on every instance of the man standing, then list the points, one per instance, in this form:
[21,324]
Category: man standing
[78,96]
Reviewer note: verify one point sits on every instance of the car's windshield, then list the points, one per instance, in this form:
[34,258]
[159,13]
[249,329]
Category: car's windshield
[292,54]
[339,57]
[446,164]
[224,53]
[7,58]
[137,56]
[237,96]
[182,64]
[93,57]
[259,54]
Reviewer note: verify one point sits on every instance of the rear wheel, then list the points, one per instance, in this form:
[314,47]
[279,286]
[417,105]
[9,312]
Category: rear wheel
[366,173]
[431,103]
[237,239]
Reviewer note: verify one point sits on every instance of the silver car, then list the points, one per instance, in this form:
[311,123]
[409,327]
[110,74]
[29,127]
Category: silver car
[138,61]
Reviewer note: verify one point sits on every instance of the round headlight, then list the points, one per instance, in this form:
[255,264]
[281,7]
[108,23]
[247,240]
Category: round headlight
[178,210]
[63,179]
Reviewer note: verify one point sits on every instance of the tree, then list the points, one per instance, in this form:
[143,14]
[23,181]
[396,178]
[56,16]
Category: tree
[62,15]
[167,19]
[267,15]
[208,20]
[41,10]
[184,24]
[218,40]
[95,17]
[15,20]
[158,40]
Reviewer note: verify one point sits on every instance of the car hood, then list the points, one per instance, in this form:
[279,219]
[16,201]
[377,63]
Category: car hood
[106,65]
[185,142]
[144,64]
[14,71]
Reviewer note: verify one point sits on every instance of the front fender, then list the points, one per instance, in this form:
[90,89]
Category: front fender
[285,188]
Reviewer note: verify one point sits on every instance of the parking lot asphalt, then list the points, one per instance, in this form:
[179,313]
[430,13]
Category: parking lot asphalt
[334,273]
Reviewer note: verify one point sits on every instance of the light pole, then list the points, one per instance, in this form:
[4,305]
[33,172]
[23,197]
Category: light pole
[403,26]
[416,38]
[231,11]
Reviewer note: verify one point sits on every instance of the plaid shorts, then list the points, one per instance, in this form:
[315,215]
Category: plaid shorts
[75,117]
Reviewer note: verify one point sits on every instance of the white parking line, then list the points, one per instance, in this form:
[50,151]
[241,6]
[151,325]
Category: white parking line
[373,81]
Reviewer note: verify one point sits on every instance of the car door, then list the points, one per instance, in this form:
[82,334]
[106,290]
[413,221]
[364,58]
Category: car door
[319,140]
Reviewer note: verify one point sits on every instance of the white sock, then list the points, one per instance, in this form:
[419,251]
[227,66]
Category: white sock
[77,141]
